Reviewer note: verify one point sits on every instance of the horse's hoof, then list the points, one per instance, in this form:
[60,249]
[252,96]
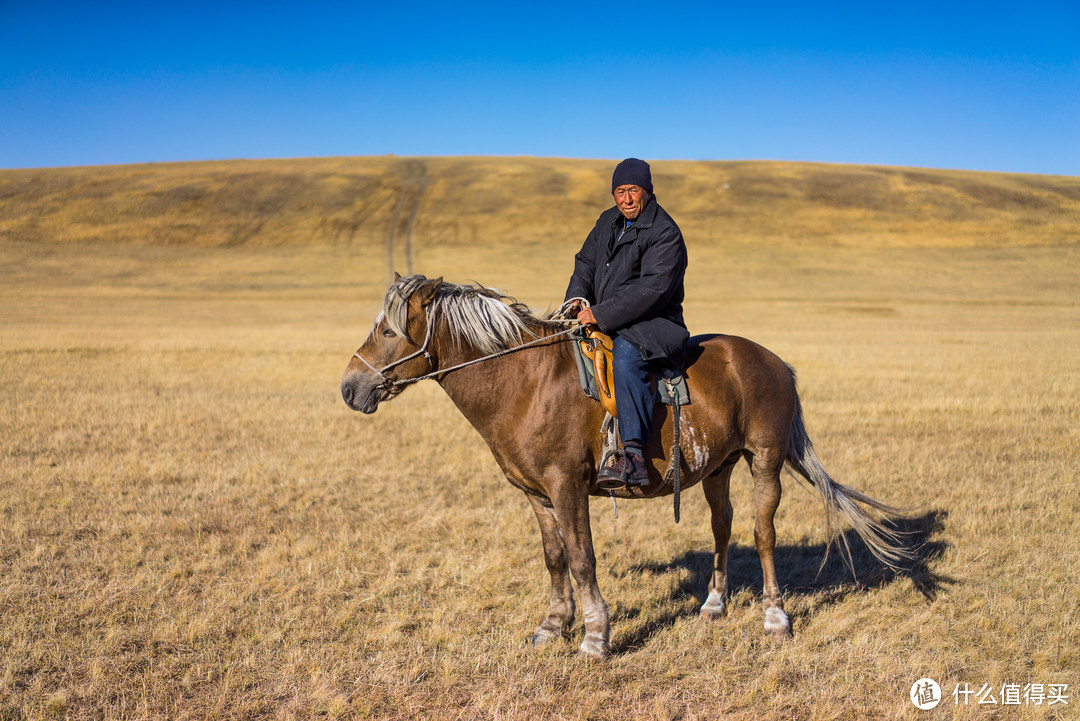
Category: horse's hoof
[777,624]
[550,630]
[542,637]
[712,615]
[594,648]
[779,637]
[714,608]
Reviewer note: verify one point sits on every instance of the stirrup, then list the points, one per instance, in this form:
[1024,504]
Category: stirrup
[609,478]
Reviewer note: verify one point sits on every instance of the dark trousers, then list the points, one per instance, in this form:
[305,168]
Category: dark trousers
[634,395]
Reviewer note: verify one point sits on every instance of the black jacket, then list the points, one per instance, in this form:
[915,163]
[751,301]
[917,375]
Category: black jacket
[635,285]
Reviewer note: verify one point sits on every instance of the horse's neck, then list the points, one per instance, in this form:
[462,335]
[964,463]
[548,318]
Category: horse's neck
[488,391]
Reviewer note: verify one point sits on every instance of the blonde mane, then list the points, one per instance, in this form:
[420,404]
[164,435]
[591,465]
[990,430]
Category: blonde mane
[482,318]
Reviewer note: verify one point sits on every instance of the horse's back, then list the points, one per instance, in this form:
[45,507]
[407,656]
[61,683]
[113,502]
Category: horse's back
[740,354]
[743,381]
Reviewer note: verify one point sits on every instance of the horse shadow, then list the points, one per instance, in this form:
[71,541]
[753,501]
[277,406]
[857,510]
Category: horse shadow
[800,572]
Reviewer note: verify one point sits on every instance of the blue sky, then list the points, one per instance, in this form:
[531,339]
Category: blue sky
[977,86]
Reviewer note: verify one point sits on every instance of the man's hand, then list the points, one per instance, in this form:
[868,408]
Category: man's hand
[586,317]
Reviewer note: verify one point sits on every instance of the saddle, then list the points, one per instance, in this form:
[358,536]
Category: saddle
[597,374]
[595,371]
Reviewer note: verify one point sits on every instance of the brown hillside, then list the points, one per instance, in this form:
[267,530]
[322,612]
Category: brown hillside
[433,202]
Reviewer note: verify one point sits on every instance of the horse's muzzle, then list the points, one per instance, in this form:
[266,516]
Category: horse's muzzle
[361,395]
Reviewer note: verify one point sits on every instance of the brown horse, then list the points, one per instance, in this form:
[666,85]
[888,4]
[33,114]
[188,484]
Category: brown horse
[513,377]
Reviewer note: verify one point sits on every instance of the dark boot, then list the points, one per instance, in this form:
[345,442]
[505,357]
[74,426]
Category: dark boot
[635,473]
[629,470]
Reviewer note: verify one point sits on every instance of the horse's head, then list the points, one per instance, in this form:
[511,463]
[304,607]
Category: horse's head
[398,347]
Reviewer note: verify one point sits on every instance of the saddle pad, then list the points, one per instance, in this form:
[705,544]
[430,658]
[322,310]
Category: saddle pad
[677,383]
[586,374]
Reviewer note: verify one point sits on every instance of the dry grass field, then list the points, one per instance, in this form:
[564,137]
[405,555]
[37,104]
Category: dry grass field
[195,526]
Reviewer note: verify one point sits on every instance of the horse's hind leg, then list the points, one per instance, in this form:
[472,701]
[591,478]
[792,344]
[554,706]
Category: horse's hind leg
[716,489]
[561,611]
[765,468]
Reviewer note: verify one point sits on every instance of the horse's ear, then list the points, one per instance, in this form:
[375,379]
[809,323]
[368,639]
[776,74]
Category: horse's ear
[397,276]
[428,290]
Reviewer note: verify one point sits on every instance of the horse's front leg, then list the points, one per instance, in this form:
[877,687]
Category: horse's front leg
[571,511]
[561,611]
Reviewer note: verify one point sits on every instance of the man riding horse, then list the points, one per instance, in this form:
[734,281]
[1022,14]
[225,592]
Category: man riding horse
[630,271]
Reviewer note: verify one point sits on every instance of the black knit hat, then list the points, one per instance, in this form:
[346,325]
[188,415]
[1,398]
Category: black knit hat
[632,172]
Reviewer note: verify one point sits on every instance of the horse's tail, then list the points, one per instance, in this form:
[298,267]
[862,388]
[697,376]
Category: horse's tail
[840,501]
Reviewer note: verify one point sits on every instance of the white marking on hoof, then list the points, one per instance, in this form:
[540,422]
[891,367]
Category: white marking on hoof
[541,637]
[546,632]
[714,606]
[776,621]
[594,647]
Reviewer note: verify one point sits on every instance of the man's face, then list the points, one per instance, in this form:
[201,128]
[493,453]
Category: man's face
[631,200]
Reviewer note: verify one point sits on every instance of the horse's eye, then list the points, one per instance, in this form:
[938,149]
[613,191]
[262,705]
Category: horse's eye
[388,332]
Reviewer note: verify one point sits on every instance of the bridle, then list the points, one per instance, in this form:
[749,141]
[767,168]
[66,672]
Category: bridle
[393,385]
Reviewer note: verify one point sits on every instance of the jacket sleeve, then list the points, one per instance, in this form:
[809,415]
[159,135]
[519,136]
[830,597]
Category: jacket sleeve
[663,265]
[581,282]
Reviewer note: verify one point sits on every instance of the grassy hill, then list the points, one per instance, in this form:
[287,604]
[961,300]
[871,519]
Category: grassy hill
[429,203]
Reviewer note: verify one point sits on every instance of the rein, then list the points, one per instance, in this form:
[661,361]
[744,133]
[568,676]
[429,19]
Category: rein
[392,384]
